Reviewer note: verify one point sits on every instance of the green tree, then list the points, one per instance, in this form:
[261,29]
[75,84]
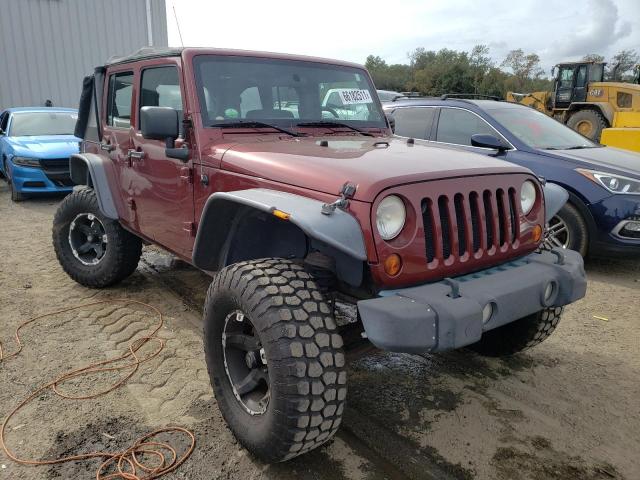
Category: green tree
[621,64]
[593,57]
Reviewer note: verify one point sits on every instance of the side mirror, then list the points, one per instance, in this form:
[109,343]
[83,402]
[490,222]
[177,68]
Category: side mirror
[1,132]
[391,122]
[488,141]
[162,123]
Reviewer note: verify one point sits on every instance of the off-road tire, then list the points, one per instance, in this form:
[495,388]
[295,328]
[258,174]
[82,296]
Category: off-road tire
[578,231]
[123,248]
[306,364]
[595,118]
[519,335]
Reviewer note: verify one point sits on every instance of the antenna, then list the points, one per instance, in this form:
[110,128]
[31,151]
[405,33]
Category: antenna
[178,24]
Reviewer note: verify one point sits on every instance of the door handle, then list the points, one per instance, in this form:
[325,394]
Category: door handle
[107,147]
[137,154]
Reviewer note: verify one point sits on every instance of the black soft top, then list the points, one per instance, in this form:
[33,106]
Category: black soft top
[145,53]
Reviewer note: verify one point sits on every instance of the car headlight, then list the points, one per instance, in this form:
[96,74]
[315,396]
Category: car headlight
[26,161]
[390,217]
[612,182]
[528,194]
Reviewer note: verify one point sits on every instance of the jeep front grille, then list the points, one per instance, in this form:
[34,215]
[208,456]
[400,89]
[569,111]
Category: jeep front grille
[469,223]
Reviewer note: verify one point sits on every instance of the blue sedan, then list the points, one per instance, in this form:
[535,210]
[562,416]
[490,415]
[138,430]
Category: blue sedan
[602,216]
[35,146]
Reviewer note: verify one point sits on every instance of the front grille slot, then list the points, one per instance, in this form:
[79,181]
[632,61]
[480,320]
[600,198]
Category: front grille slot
[475,220]
[427,220]
[469,223]
[488,217]
[461,224]
[445,223]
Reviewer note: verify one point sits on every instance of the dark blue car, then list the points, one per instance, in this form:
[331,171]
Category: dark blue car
[35,146]
[602,216]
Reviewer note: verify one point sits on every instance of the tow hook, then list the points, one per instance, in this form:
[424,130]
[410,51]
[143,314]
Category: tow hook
[347,191]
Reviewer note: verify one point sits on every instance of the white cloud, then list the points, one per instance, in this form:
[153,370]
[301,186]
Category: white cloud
[351,31]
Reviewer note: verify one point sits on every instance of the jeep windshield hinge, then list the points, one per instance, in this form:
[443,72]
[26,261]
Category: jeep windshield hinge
[347,191]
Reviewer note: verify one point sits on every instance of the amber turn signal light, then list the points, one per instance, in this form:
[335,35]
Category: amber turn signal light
[281,215]
[393,264]
[537,233]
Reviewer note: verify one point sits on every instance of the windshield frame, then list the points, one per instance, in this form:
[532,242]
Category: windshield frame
[285,122]
[519,112]
[11,125]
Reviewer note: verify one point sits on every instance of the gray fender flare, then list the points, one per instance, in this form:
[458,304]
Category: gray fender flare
[340,230]
[91,170]
[555,197]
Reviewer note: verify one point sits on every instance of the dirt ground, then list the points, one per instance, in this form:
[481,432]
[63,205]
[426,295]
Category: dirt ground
[568,409]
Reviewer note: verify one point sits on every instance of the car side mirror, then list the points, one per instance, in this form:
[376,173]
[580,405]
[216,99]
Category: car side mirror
[391,122]
[1,132]
[162,123]
[488,141]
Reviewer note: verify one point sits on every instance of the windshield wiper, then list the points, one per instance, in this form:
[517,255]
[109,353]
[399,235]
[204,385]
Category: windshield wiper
[575,147]
[254,124]
[335,124]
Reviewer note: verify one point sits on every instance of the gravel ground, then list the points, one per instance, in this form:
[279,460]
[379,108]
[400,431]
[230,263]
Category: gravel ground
[567,409]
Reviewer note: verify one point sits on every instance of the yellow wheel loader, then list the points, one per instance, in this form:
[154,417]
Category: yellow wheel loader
[589,105]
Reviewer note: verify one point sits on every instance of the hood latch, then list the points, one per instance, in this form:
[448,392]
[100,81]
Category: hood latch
[347,191]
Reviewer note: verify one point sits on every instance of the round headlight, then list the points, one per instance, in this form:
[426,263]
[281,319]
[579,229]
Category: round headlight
[528,194]
[390,217]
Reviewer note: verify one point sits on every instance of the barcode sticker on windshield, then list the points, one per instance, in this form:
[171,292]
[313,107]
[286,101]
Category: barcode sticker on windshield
[351,97]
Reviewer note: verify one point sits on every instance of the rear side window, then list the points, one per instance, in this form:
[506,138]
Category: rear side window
[119,100]
[456,126]
[414,122]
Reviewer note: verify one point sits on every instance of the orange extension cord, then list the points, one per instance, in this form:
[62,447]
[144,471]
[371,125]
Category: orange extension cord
[127,463]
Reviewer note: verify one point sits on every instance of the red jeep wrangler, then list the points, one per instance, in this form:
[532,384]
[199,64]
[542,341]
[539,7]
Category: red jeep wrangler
[279,173]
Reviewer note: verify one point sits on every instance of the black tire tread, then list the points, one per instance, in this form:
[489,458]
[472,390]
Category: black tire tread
[520,335]
[592,114]
[286,305]
[125,248]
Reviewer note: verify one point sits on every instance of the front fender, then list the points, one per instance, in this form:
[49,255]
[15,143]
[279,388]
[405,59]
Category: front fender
[91,170]
[340,230]
[554,199]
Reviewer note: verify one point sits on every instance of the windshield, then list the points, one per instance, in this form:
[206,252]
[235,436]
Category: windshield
[31,124]
[283,92]
[537,130]
[387,96]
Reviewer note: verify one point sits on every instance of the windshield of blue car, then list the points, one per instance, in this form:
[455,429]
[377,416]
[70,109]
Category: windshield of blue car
[237,89]
[29,124]
[538,130]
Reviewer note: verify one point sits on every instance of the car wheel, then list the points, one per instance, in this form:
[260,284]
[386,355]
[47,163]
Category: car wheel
[588,122]
[568,229]
[94,250]
[274,358]
[520,335]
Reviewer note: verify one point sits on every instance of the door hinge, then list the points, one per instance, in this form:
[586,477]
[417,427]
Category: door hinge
[186,173]
[190,228]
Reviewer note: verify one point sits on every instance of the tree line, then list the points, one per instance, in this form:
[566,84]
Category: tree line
[450,71]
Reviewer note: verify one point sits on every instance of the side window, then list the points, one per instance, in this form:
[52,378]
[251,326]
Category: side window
[119,100]
[414,122]
[160,87]
[249,101]
[581,80]
[566,78]
[456,126]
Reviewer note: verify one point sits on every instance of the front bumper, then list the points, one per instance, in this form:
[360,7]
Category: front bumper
[448,314]
[38,180]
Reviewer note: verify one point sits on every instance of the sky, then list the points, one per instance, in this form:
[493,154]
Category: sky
[556,31]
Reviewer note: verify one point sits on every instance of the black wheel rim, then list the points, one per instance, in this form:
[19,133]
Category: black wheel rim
[245,363]
[557,234]
[88,239]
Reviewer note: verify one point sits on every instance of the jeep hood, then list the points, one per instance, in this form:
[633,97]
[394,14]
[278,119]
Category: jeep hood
[374,164]
[50,146]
